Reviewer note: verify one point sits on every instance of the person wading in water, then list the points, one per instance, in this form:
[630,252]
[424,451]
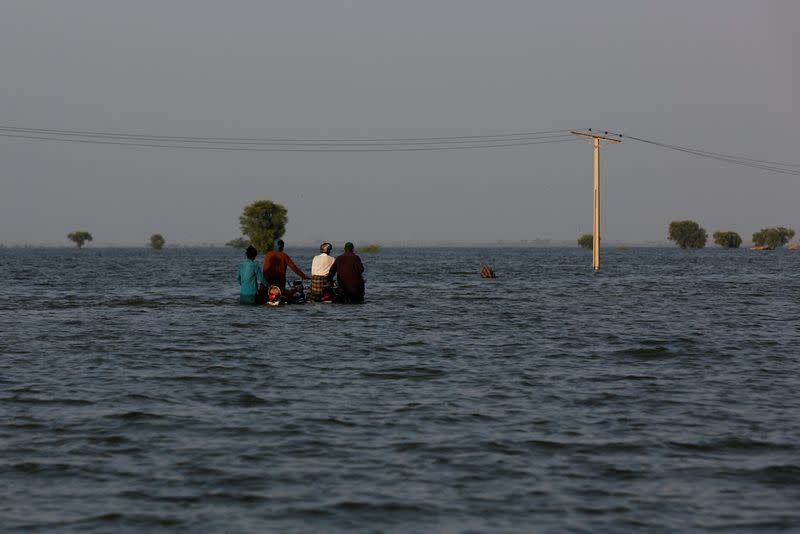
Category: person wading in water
[275,263]
[249,275]
[320,267]
[348,270]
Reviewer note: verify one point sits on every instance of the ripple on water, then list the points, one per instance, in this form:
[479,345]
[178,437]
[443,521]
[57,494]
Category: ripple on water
[731,444]
[109,440]
[784,475]
[42,468]
[18,399]
[128,520]
[135,415]
[647,352]
[405,373]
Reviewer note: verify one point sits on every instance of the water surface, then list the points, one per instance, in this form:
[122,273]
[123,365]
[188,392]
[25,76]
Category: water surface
[658,394]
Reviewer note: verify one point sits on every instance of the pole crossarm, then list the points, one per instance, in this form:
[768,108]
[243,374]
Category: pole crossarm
[604,136]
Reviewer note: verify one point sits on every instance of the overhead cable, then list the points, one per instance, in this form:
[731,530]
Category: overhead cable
[792,169]
[302,147]
[6,130]
[374,144]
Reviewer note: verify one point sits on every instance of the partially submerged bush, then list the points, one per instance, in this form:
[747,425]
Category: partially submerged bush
[727,239]
[687,234]
[157,241]
[79,238]
[586,241]
[772,238]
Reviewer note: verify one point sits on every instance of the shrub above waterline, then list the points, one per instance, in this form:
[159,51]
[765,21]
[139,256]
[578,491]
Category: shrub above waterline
[727,239]
[687,234]
[586,241]
[772,238]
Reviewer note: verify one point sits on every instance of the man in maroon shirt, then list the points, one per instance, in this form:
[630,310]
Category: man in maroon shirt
[348,270]
[275,263]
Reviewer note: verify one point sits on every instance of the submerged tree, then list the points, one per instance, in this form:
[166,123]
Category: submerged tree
[264,222]
[79,237]
[586,241]
[727,239]
[687,234]
[157,241]
[239,242]
[773,238]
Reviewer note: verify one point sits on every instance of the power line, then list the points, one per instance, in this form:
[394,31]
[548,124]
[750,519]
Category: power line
[373,144]
[792,169]
[503,137]
[300,148]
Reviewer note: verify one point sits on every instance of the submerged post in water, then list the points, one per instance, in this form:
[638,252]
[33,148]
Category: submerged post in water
[596,218]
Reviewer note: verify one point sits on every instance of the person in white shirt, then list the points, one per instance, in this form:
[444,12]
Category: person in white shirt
[320,267]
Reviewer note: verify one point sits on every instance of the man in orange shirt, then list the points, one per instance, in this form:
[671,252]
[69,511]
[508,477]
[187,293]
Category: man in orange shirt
[275,263]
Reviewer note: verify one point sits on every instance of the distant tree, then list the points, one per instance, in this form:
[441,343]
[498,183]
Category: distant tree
[773,238]
[727,239]
[586,241]
[157,241]
[239,242]
[687,234]
[79,238]
[264,222]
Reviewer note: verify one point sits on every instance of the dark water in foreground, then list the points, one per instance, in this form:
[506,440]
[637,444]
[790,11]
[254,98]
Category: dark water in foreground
[658,394]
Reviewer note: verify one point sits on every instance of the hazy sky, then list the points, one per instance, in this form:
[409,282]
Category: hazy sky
[722,75]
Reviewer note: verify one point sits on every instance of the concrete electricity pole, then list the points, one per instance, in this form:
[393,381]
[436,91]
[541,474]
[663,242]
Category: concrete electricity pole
[597,139]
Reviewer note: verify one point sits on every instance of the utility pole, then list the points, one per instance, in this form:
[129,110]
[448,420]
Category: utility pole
[597,138]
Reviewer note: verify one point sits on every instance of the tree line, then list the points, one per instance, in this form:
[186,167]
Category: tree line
[80,238]
[263,222]
[689,234]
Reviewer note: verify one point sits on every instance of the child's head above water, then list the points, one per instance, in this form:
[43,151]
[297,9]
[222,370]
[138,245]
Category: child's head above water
[274,293]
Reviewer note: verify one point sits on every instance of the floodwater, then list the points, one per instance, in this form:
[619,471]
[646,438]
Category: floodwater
[659,394]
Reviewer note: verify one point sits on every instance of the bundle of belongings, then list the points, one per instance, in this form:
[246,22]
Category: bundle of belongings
[275,297]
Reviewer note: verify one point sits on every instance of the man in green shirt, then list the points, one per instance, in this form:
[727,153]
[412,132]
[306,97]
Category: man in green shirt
[249,275]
